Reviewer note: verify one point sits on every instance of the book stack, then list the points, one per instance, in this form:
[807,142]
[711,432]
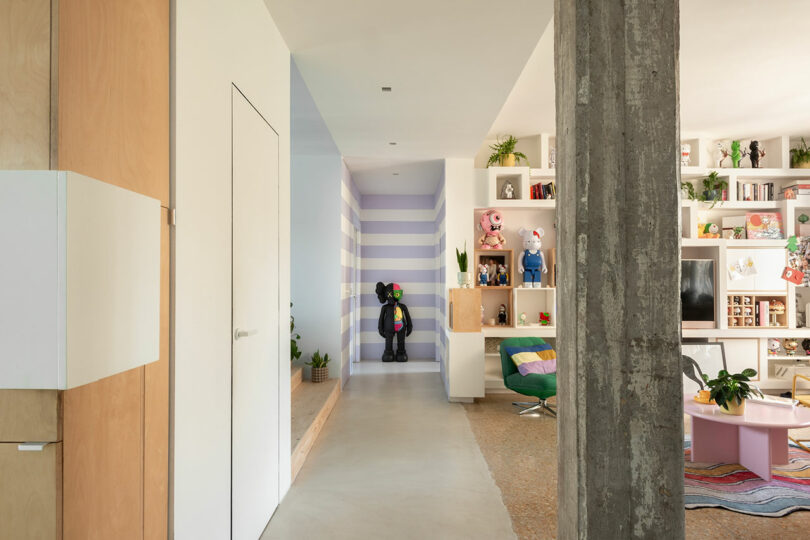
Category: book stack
[755,192]
[544,191]
[799,188]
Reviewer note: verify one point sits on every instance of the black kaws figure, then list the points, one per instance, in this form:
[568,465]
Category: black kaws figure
[394,321]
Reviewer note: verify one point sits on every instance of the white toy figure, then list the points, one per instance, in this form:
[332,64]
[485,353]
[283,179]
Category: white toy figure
[773,346]
[531,261]
[503,276]
[720,154]
[508,191]
[686,151]
[483,279]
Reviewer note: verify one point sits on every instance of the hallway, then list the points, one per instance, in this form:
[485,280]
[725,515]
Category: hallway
[396,461]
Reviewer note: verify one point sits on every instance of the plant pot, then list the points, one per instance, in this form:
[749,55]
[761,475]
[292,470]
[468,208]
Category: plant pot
[508,160]
[320,374]
[802,165]
[465,280]
[733,408]
[713,195]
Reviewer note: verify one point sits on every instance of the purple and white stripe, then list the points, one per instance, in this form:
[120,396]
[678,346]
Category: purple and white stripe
[349,308]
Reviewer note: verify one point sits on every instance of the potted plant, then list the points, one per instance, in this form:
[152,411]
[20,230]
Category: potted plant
[730,391]
[464,277]
[295,352]
[503,153]
[320,367]
[800,156]
[713,187]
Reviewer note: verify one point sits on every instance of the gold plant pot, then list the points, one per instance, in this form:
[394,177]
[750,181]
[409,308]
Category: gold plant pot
[508,160]
[733,408]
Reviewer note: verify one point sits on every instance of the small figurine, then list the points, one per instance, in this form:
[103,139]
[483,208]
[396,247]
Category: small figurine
[756,154]
[736,154]
[790,345]
[736,299]
[748,311]
[789,194]
[749,321]
[507,191]
[773,346]
[710,230]
[803,219]
[721,154]
[531,260]
[482,275]
[806,346]
[491,223]
[502,315]
[503,276]
[522,319]
[734,322]
[686,150]
[552,158]
[545,318]
[737,311]
[746,299]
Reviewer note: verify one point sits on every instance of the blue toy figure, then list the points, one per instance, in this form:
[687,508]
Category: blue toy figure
[483,275]
[531,261]
[503,276]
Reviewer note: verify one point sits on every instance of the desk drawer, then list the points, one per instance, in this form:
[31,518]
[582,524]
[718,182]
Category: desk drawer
[30,415]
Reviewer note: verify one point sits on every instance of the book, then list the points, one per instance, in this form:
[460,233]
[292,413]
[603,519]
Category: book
[763,313]
[763,225]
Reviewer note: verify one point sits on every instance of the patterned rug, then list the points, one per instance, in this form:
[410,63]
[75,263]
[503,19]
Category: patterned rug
[733,487]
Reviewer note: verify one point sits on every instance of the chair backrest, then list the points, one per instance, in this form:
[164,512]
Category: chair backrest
[507,366]
[700,358]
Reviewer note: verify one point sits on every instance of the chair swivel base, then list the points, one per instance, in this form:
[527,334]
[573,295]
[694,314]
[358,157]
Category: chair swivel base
[533,406]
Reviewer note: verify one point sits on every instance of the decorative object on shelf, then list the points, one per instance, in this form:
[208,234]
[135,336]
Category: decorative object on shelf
[686,150]
[773,347]
[763,225]
[491,223]
[464,277]
[492,270]
[802,219]
[797,270]
[736,299]
[790,345]
[531,261]
[709,230]
[492,322]
[742,268]
[713,188]
[737,153]
[503,153]
[800,156]
[502,318]
[395,321]
[320,366]
[552,158]
[720,155]
[734,227]
[507,191]
[737,311]
[482,315]
[522,319]
[746,299]
[806,346]
[503,275]
[757,154]
[749,321]
[730,391]
[544,318]
[748,311]
[295,352]
[789,194]
[483,279]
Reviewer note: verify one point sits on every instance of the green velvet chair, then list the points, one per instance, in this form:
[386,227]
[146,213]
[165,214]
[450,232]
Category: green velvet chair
[541,386]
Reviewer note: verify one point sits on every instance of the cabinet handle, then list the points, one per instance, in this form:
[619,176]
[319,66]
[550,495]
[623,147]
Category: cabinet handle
[239,333]
[32,446]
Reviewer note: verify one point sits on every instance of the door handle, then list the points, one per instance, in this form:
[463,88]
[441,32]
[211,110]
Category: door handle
[239,333]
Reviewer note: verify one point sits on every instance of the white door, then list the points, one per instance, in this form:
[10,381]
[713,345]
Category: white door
[255,354]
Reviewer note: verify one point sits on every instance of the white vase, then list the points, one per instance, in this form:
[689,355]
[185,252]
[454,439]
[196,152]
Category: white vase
[465,280]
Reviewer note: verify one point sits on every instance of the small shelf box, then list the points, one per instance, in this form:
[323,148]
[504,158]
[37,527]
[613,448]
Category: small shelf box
[538,305]
[757,310]
[499,256]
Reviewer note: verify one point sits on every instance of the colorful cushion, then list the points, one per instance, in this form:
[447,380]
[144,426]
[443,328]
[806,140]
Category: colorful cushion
[535,359]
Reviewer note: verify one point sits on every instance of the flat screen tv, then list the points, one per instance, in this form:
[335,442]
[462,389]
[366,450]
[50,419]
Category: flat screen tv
[697,293]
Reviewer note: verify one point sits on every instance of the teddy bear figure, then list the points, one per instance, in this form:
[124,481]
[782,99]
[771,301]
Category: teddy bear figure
[790,345]
[394,321]
[491,223]
[483,273]
[531,261]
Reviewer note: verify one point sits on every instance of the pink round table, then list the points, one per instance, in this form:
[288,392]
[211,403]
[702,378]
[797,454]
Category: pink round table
[756,440]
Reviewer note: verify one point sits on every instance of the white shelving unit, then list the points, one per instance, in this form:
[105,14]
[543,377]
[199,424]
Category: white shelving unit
[746,346]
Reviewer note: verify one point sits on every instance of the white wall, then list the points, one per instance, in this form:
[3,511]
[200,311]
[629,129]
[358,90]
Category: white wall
[216,43]
[316,176]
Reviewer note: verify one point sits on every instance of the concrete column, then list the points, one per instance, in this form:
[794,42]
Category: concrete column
[619,379]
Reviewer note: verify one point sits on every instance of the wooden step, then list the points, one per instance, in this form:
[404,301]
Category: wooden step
[311,405]
[296,376]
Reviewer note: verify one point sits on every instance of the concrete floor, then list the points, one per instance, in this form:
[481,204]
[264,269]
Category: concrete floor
[396,461]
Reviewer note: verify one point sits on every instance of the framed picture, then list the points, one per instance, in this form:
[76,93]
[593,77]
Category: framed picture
[764,225]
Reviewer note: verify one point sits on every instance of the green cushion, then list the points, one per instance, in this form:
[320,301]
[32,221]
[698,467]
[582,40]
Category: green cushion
[534,384]
[538,385]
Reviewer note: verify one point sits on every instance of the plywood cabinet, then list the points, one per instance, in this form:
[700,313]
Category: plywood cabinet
[79,280]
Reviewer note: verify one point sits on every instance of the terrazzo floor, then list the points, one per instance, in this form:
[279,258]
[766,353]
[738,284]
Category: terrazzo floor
[522,456]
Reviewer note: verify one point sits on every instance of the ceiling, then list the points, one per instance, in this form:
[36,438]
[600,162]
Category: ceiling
[380,176]
[743,73]
[451,65]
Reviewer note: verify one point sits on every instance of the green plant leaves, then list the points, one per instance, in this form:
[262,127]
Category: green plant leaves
[728,388]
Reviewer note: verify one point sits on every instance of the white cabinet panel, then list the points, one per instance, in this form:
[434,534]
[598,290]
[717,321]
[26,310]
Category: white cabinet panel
[79,279]
[769,263]
[741,354]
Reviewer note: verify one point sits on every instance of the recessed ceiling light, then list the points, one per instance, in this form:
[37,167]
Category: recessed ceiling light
[392,143]
[386,88]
